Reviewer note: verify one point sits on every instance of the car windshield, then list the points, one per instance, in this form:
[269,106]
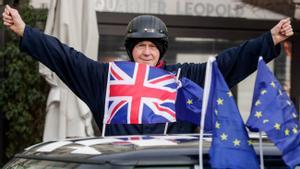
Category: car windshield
[19,163]
[45,164]
[171,152]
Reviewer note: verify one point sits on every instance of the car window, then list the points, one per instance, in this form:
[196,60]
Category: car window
[44,164]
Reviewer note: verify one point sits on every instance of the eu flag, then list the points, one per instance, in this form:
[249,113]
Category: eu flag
[189,102]
[274,113]
[230,147]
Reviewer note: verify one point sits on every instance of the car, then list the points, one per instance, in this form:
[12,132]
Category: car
[128,152]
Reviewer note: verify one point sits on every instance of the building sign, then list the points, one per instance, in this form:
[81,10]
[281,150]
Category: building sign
[213,8]
[252,9]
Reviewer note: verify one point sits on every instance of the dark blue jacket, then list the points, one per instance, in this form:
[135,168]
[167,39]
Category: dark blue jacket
[87,78]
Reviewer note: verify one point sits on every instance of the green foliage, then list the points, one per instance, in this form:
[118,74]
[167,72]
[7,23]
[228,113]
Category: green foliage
[23,91]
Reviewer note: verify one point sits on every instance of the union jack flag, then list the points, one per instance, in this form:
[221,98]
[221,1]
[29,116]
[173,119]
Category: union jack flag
[139,94]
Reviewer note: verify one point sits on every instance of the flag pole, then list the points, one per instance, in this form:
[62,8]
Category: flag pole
[106,100]
[177,79]
[103,129]
[208,74]
[261,155]
[166,128]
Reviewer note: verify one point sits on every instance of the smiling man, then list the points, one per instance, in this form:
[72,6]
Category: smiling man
[146,52]
[146,42]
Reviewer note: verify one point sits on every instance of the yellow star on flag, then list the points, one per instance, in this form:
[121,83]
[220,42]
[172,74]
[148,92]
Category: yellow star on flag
[277,126]
[190,101]
[262,92]
[220,101]
[273,84]
[236,142]
[295,131]
[258,114]
[229,94]
[287,132]
[218,125]
[257,103]
[224,136]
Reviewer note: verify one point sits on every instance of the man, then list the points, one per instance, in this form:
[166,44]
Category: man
[146,42]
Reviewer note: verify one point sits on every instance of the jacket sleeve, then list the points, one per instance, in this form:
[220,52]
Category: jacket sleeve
[236,63]
[239,62]
[81,74]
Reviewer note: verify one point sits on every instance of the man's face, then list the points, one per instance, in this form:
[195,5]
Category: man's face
[146,52]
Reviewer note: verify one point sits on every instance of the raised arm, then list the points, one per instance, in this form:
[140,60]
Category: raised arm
[282,31]
[13,20]
[239,62]
[82,75]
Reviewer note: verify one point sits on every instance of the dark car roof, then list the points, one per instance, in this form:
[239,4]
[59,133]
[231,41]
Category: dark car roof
[128,150]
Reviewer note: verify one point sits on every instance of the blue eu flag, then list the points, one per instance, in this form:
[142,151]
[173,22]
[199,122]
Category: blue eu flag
[189,102]
[231,147]
[274,113]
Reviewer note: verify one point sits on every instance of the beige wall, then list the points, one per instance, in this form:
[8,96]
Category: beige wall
[40,3]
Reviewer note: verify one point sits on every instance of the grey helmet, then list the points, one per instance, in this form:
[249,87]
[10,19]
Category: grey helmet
[146,27]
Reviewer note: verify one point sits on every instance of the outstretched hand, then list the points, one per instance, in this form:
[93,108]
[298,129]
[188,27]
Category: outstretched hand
[13,20]
[282,31]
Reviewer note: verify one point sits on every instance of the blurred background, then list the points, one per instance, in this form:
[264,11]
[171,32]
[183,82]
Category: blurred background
[197,29]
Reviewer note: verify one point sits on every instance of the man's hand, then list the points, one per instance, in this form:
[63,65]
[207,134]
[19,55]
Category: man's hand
[282,31]
[13,20]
